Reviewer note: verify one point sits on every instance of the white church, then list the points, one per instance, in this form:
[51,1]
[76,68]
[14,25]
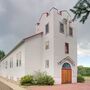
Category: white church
[52,49]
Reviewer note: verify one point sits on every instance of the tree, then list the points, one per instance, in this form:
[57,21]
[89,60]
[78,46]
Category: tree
[81,70]
[2,54]
[81,10]
[84,71]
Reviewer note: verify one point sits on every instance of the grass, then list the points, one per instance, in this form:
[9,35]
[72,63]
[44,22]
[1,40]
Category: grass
[87,79]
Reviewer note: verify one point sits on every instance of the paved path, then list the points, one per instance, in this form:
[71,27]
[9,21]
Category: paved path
[4,87]
[4,83]
[79,86]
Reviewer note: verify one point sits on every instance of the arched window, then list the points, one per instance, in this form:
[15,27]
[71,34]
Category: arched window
[66,66]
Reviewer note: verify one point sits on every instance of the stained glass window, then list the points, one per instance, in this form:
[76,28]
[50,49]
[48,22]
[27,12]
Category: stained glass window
[66,66]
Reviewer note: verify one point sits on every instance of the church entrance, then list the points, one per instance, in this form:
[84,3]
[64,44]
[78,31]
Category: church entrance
[66,73]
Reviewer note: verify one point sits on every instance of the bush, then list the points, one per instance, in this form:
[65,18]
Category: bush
[27,80]
[80,79]
[43,79]
[37,79]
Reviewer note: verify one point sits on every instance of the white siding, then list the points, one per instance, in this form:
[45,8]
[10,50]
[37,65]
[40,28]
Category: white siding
[33,54]
[15,72]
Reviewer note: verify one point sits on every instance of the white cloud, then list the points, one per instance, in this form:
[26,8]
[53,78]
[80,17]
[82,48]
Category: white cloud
[84,49]
[2,8]
[20,17]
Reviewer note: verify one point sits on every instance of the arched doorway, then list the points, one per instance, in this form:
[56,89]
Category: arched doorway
[66,73]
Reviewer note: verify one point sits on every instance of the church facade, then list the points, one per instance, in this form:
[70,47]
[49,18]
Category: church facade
[52,49]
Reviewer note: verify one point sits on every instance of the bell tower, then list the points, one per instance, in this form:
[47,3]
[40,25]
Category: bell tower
[59,44]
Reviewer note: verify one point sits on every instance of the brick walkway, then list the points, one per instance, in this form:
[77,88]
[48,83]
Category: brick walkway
[79,86]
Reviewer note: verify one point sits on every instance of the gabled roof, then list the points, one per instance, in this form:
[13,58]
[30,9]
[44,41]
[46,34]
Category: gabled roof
[67,59]
[53,8]
[20,43]
[47,13]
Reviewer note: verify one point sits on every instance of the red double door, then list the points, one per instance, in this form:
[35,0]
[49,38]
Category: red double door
[66,76]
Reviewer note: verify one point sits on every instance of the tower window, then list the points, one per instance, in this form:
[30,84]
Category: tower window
[47,29]
[61,28]
[66,48]
[47,45]
[70,31]
[47,64]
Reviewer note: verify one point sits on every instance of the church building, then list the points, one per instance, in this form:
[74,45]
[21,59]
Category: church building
[52,49]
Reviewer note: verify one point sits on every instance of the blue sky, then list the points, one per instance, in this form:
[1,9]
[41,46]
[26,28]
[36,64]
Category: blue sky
[84,60]
[18,19]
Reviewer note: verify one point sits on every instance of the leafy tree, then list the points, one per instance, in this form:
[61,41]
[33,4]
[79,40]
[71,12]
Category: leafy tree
[81,10]
[81,70]
[2,54]
[85,71]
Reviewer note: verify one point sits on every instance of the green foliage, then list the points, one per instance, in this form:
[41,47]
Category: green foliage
[80,79]
[81,70]
[87,71]
[2,54]
[38,79]
[81,10]
[27,80]
[84,71]
[43,79]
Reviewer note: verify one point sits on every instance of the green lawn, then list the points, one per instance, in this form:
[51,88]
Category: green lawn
[87,79]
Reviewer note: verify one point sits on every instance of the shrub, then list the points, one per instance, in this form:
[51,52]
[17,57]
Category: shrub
[80,79]
[38,78]
[43,79]
[27,80]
